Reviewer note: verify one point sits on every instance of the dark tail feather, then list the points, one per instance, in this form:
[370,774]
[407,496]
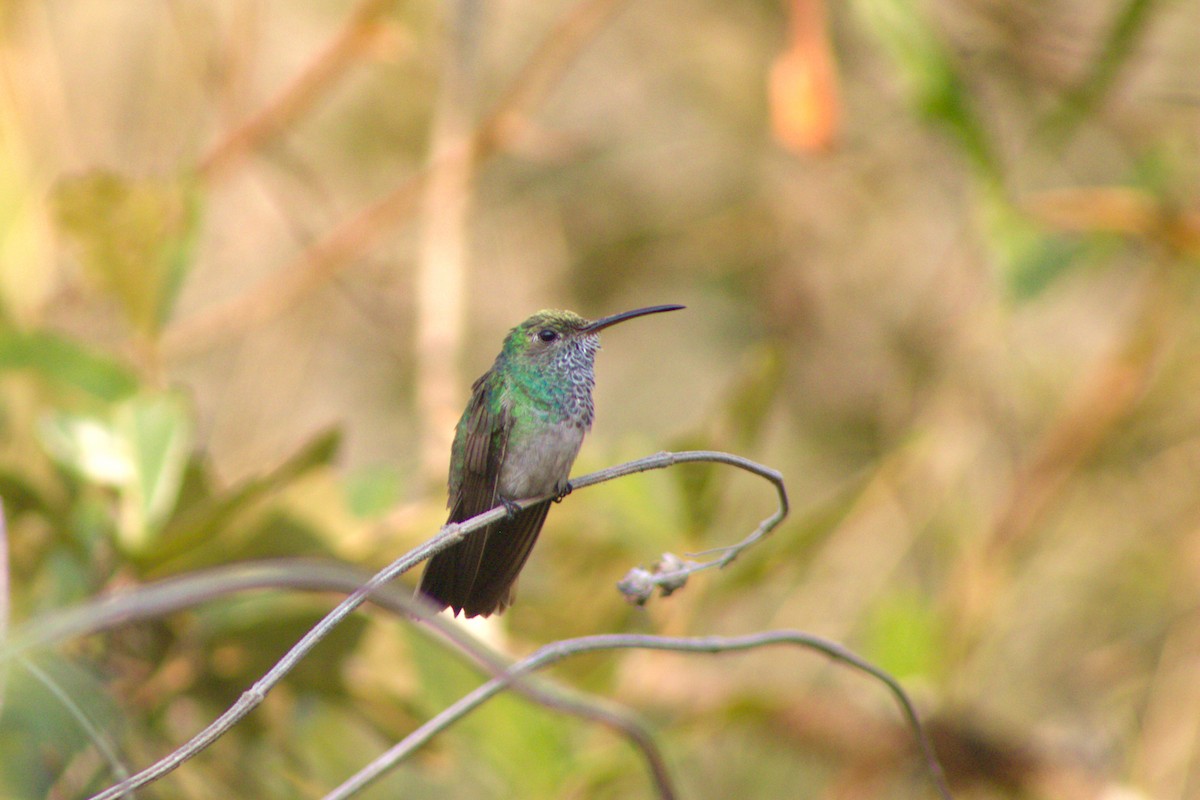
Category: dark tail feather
[449,575]
[478,574]
[504,554]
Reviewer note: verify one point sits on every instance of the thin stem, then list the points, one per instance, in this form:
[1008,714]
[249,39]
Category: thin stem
[301,94]
[187,591]
[557,651]
[449,535]
[671,572]
[105,747]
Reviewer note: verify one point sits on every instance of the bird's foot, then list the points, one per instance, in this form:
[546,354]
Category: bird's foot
[564,489]
[510,506]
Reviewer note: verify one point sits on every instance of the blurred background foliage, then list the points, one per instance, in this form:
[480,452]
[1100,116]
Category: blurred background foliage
[938,257]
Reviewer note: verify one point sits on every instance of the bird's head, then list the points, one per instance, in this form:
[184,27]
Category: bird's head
[552,338]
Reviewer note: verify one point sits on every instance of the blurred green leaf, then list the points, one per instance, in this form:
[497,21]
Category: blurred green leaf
[904,635]
[1029,259]
[745,412]
[1038,267]
[157,432]
[141,453]
[927,66]
[136,238]
[87,446]
[254,631]
[206,512]
[1127,26]
[67,363]
[752,398]
[22,495]
[276,533]
[507,738]
[698,488]
[40,736]
[372,490]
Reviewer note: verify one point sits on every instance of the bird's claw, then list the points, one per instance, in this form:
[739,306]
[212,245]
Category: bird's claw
[510,507]
[564,489]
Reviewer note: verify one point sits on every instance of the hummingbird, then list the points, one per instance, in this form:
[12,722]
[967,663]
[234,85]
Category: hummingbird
[517,438]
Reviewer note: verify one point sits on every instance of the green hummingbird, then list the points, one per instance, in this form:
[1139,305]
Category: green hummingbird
[517,438]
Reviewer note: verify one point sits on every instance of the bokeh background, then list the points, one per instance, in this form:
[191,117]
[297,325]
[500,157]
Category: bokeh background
[940,263]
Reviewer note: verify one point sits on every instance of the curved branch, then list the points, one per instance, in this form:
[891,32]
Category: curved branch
[671,572]
[187,591]
[557,651]
[172,595]
[448,536]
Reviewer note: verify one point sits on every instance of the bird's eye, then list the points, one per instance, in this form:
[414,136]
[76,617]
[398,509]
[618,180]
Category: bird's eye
[547,335]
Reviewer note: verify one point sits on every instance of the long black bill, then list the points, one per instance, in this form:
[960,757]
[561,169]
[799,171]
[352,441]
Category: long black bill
[604,322]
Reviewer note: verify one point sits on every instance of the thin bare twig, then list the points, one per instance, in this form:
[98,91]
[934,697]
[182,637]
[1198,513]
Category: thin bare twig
[300,94]
[671,572]
[153,600]
[557,651]
[449,535]
[252,697]
[187,591]
[283,288]
[102,743]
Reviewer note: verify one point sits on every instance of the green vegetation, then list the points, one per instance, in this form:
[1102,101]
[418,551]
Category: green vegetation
[253,254]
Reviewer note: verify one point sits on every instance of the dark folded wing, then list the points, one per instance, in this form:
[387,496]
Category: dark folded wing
[505,552]
[480,442]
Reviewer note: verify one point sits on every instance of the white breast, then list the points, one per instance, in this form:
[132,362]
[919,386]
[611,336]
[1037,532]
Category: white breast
[538,461]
